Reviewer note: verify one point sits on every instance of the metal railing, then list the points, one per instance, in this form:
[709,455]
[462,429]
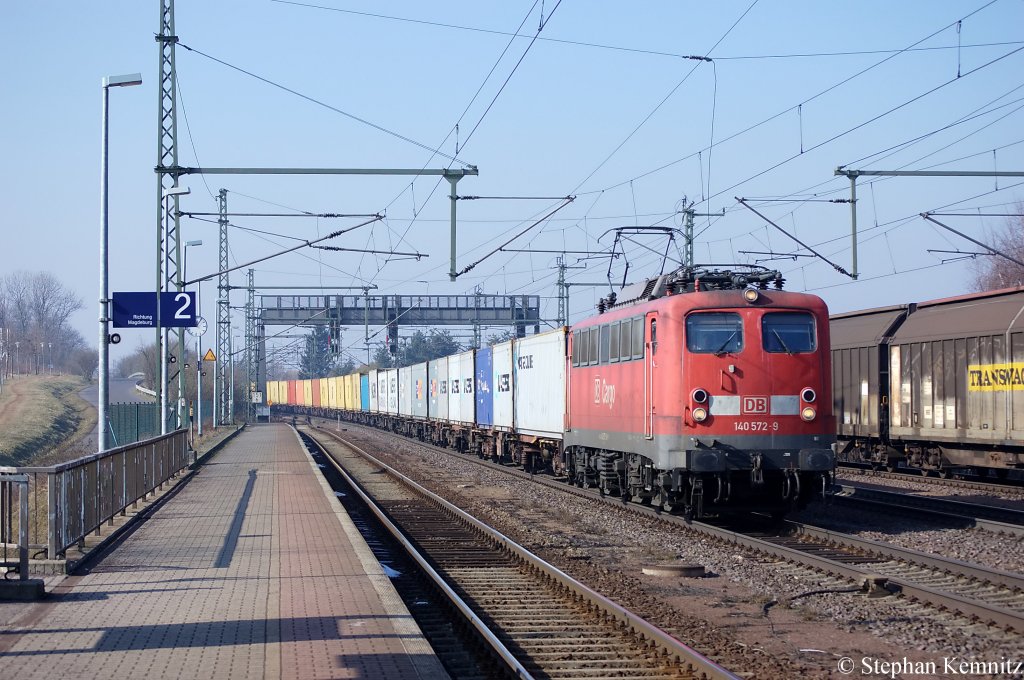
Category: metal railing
[67,502]
[13,536]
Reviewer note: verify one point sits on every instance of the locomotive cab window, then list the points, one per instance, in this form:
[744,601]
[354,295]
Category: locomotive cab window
[788,332]
[714,333]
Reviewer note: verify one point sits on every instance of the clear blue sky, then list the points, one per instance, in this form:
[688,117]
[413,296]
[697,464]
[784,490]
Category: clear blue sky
[604,107]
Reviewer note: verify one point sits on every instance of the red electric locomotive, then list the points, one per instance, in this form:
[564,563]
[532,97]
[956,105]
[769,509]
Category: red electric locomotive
[703,387]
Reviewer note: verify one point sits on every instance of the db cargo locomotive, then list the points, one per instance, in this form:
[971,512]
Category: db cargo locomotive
[935,385]
[694,390]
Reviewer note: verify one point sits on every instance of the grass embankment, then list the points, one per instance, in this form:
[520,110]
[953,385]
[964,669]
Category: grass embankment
[41,419]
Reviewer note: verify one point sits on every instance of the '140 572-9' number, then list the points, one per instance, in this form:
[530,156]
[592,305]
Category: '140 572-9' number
[756,426]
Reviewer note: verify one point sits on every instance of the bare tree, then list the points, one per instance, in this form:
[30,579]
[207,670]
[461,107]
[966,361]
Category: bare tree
[992,273]
[85,361]
[36,307]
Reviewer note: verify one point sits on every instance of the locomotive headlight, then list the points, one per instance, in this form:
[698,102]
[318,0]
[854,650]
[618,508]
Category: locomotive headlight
[700,414]
[808,413]
[751,295]
[699,396]
[808,395]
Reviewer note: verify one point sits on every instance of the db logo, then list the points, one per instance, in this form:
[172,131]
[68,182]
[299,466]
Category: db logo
[753,405]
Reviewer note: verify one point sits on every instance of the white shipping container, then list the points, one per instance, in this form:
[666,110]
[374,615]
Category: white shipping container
[418,390]
[373,390]
[502,386]
[382,391]
[392,390]
[405,391]
[461,403]
[438,389]
[539,384]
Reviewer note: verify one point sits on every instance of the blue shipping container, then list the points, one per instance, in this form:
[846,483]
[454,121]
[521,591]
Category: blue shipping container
[364,392]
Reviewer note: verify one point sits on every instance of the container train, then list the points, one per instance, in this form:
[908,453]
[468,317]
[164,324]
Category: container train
[935,385]
[697,390]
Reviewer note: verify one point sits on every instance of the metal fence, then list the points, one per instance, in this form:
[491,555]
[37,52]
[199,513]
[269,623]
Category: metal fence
[133,422]
[14,542]
[69,501]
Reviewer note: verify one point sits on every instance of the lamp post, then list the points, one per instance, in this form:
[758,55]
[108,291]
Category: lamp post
[198,333]
[161,334]
[103,397]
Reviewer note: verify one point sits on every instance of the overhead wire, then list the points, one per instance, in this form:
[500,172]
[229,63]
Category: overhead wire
[636,50]
[455,127]
[664,99]
[324,104]
[790,109]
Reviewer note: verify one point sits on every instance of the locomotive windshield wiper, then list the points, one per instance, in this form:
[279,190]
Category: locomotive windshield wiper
[721,350]
[782,342]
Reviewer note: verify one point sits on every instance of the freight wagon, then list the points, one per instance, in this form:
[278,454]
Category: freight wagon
[935,385]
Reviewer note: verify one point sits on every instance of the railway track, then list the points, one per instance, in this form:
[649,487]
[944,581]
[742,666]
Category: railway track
[923,477]
[986,517]
[988,595]
[540,622]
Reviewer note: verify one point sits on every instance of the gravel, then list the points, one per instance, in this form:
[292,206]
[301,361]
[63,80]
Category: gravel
[1010,497]
[606,548]
[989,549]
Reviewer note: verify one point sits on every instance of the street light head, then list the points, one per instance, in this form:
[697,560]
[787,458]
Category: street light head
[123,81]
[177,191]
[194,243]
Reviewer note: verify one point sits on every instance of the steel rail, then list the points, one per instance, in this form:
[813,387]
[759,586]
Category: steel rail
[909,476]
[967,569]
[864,576]
[697,661]
[958,511]
[485,632]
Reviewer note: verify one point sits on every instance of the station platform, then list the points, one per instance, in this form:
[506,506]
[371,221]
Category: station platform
[252,569]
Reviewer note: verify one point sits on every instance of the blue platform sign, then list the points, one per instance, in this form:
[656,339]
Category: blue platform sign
[138,310]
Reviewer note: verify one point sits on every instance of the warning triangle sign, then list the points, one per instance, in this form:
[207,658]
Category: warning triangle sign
[209,356]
